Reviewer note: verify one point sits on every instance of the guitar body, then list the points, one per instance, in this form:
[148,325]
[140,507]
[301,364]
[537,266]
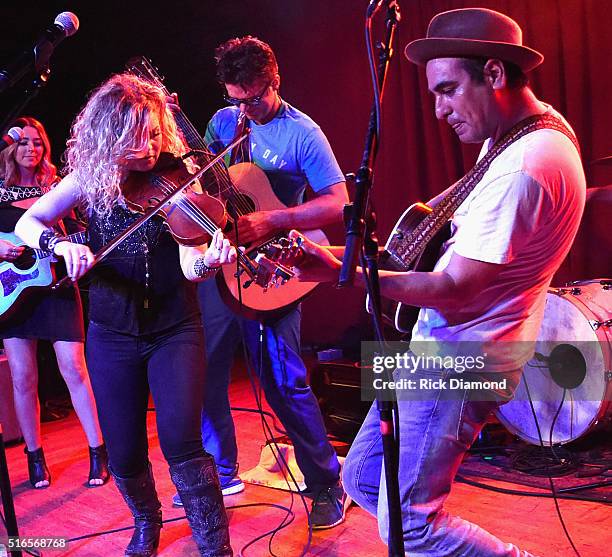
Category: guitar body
[402,316]
[256,193]
[17,276]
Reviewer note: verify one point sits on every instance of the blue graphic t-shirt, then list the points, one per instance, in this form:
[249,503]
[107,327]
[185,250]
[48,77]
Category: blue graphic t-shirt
[291,149]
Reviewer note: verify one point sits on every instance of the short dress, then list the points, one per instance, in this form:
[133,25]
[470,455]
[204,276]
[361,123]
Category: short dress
[39,313]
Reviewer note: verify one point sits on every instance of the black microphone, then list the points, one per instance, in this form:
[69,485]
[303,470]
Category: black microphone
[11,136]
[65,25]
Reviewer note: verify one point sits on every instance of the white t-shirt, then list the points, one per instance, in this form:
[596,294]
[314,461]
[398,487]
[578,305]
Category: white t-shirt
[523,214]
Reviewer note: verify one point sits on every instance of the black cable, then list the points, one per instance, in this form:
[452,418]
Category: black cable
[531,460]
[257,411]
[176,519]
[552,485]
[506,491]
[544,461]
[373,72]
[283,465]
[273,531]
[552,425]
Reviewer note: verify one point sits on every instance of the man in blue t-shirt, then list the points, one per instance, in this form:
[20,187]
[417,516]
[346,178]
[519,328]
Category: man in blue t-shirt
[293,152]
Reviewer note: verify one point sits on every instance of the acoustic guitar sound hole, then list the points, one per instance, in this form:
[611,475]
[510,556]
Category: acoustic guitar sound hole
[26,260]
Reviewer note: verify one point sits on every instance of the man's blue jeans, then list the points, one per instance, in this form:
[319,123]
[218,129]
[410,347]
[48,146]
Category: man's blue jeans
[434,436]
[282,375]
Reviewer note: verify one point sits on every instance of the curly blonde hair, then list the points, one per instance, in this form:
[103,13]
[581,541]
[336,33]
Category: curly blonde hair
[46,172]
[113,127]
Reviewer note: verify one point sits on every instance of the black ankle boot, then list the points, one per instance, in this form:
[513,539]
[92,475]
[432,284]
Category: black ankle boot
[198,485]
[98,465]
[37,467]
[140,495]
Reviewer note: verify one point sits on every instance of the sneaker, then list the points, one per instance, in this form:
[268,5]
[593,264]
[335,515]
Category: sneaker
[329,507]
[229,486]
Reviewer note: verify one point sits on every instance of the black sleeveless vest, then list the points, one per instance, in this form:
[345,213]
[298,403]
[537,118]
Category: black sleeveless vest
[139,288]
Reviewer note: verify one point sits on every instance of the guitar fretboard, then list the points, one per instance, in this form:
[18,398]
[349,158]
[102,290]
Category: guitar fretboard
[76,238]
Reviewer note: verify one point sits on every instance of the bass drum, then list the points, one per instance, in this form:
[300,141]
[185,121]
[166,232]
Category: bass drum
[570,376]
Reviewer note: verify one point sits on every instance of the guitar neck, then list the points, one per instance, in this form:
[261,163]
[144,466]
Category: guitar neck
[142,67]
[76,238]
[193,138]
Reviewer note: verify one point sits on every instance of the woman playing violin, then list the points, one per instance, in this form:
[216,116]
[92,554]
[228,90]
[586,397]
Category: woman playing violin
[145,333]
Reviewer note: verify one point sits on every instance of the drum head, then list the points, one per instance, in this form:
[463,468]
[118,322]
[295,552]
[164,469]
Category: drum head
[566,379]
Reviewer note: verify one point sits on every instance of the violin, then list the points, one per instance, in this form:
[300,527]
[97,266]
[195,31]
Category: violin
[192,217]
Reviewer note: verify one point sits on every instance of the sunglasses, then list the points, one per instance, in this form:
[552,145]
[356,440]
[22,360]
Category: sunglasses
[250,101]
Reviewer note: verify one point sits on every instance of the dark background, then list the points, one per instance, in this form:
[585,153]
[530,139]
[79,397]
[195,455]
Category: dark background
[320,49]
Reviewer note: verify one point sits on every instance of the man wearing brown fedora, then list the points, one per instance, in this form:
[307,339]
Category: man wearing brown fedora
[513,219]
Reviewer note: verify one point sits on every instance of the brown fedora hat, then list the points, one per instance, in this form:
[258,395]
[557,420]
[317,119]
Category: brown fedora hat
[473,32]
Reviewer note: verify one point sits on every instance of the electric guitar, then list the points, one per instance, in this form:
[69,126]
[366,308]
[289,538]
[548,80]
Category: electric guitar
[244,188]
[32,269]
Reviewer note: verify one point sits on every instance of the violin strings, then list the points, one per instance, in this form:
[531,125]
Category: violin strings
[196,214]
[219,170]
[227,187]
[220,174]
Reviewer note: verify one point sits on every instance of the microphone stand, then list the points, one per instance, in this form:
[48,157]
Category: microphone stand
[42,55]
[41,79]
[361,242]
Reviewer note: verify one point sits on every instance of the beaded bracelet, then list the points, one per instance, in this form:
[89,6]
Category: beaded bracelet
[202,270]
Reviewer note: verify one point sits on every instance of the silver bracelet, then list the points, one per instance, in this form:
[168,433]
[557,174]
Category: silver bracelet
[202,270]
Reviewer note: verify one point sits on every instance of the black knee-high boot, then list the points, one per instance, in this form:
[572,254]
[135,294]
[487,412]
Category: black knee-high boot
[197,483]
[140,495]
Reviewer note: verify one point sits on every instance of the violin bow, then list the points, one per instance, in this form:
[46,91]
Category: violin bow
[167,200]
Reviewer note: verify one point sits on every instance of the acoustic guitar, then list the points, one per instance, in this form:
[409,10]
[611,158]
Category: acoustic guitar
[413,245]
[34,268]
[255,191]
[244,188]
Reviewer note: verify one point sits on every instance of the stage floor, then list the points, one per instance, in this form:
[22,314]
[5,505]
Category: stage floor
[71,510]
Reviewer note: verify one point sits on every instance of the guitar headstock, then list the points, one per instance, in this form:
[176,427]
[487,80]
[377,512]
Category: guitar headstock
[275,262]
[286,251]
[142,67]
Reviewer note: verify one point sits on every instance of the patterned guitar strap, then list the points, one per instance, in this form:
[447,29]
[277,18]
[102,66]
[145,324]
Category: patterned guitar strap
[9,194]
[242,152]
[403,251]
